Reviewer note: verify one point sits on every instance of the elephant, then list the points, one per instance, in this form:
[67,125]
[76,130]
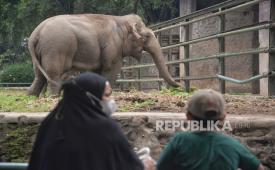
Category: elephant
[89,42]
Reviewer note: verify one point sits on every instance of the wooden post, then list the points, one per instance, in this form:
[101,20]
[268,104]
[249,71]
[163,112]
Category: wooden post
[222,50]
[267,39]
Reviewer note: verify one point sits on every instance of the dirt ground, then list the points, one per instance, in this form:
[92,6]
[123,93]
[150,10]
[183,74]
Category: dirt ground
[153,102]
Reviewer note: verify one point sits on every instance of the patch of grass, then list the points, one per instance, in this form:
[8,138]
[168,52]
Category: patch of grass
[18,101]
[146,103]
[165,100]
[241,94]
[175,91]
[124,109]
[137,105]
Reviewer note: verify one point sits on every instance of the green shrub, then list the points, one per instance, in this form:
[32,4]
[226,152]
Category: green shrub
[17,143]
[17,73]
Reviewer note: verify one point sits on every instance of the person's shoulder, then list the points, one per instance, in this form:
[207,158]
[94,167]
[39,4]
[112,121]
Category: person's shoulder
[193,136]
[228,140]
[109,126]
[183,136]
[108,122]
[179,135]
[227,137]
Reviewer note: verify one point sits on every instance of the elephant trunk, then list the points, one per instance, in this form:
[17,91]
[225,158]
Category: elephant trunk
[155,50]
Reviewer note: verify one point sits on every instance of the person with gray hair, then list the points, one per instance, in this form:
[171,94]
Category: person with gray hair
[207,149]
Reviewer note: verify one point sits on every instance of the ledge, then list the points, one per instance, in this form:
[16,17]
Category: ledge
[28,118]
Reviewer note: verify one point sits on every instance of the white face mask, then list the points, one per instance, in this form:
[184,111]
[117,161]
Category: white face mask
[109,106]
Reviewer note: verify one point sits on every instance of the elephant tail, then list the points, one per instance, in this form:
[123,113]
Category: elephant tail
[31,45]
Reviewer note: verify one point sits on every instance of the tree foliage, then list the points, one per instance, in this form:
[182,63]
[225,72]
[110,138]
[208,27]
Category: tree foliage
[19,17]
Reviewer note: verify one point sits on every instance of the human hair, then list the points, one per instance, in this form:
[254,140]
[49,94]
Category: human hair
[210,117]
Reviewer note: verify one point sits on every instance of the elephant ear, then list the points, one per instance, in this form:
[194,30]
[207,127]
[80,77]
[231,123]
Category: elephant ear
[147,34]
[133,29]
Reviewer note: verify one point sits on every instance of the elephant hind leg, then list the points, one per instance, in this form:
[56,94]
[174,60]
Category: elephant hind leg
[54,86]
[69,75]
[38,83]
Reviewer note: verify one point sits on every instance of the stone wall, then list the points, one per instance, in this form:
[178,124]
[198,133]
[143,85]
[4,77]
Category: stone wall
[17,133]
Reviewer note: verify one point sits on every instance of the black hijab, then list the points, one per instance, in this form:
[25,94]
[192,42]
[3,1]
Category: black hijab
[78,135]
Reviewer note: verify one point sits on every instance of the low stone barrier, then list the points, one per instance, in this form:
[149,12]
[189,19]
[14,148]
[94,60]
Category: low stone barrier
[257,132]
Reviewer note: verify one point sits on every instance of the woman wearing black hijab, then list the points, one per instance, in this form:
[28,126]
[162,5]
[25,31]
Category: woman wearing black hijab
[79,133]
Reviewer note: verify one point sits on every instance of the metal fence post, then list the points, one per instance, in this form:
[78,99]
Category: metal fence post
[122,76]
[186,56]
[267,39]
[255,57]
[186,8]
[139,77]
[170,39]
[222,50]
[159,37]
[272,54]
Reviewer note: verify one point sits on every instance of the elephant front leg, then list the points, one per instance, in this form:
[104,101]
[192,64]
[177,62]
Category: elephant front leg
[112,73]
[111,77]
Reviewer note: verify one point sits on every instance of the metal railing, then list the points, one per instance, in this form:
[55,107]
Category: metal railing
[218,10]
[13,166]
[257,77]
[15,84]
[200,58]
[199,13]
[248,4]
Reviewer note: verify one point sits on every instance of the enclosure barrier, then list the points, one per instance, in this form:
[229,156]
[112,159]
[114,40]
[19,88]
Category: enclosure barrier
[200,58]
[13,166]
[216,56]
[14,84]
[218,10]
[257,77]
[199,13]
[209,16]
